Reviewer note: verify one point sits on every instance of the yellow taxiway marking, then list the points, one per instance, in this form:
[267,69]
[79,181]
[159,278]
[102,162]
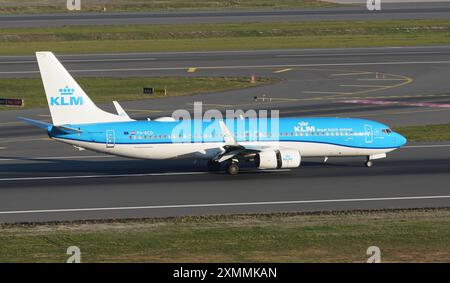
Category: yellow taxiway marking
[282,70]
[191,70]
[352,74]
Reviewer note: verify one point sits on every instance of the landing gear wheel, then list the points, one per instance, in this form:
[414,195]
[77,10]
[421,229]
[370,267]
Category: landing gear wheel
[369,163]
[233,169]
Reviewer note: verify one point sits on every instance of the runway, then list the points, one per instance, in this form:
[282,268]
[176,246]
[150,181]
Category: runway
[397,11]
[108,187]
[43,180]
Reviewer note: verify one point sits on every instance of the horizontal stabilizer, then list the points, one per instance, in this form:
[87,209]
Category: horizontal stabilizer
[39,124]
[45,125]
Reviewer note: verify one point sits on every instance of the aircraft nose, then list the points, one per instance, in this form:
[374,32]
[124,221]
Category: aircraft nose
[400,140]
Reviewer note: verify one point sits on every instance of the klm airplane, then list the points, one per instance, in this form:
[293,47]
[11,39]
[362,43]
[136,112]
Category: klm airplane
[77,121]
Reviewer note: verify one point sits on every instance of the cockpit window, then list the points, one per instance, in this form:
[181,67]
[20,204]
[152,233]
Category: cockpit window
[386,131]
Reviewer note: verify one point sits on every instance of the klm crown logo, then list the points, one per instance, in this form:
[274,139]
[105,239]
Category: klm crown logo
[66,91]
[66,98]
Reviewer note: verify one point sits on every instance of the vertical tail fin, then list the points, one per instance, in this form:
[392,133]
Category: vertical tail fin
[67,101]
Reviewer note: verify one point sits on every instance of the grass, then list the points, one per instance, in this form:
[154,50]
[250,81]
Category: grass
[59,6]
[107,89]
[426,133]
[227,36]
[402,236]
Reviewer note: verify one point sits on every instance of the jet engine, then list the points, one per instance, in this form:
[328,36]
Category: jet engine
[283,158]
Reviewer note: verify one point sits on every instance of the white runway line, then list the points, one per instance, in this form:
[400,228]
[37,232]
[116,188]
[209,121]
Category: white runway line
[427,146]
[219,204]
[55,157]
[239,67]
[100,176]
[123,175]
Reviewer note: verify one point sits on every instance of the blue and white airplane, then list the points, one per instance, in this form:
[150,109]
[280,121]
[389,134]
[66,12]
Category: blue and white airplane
[79,122]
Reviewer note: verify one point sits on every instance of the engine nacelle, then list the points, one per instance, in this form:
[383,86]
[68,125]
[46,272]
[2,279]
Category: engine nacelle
[284,158]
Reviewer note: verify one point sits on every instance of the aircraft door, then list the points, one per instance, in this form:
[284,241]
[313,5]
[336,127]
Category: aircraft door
[368,133]
[110,138]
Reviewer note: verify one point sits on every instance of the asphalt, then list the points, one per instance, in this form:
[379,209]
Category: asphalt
[43,180]
[428,10]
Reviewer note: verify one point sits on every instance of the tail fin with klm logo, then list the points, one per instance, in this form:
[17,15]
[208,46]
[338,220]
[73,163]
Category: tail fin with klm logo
[67,101]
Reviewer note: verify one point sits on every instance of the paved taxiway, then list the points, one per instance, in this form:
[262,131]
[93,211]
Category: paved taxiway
[46,180]
[396,11]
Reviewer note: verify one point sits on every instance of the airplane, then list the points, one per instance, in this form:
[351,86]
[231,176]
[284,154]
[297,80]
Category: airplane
[77,121]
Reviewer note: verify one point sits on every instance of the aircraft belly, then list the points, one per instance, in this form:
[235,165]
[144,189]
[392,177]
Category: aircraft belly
[210,150]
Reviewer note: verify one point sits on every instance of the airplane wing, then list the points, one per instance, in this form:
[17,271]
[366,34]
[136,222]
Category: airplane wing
[232,148]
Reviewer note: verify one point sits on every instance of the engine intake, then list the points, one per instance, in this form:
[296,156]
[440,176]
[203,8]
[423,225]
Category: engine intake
[284,158]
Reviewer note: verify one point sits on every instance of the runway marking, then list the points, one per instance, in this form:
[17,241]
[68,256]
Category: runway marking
[25,140]
[2,148]
[390,102]
[122,175]
[360,54]
[240,67]
[261,203]
[353,74]
[11,123]
[191,70]
[143,110]
[380,79]
[282,71]
[403,112]
[374,86]
[325,92]
[276,55]
[55,157]
[427,146]
[83,60]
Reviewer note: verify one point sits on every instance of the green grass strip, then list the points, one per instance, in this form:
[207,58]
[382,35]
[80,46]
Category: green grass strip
[426,133]
[228,36]
[107,89]
[402,236]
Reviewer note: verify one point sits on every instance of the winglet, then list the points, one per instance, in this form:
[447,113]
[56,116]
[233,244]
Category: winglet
[227,135]
[120,110]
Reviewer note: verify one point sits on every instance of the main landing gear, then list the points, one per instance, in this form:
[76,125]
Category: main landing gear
[233,168]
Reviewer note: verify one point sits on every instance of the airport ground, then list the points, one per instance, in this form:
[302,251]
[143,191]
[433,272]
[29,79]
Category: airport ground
[42,180]
[396,86]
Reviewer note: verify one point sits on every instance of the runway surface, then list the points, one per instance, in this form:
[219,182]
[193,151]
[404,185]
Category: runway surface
[44,180]
[430,10]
